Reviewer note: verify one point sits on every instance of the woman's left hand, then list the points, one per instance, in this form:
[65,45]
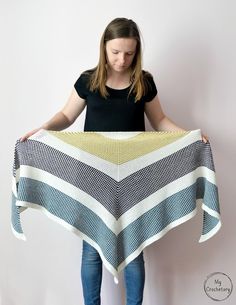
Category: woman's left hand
[205,138]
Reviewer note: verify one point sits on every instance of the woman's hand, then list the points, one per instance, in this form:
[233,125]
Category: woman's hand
[205,138]
[30,133]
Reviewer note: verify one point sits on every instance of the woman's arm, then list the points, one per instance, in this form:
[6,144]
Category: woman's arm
[159,121]
[65,117]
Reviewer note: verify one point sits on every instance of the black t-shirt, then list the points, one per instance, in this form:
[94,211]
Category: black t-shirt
[117,112]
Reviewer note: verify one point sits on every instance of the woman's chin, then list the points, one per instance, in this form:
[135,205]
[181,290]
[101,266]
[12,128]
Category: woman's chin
[120,69]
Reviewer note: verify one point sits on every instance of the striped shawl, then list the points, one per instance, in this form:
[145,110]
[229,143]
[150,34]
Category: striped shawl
[119,191]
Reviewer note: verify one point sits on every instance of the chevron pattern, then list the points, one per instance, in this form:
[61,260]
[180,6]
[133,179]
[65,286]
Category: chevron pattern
[119,191]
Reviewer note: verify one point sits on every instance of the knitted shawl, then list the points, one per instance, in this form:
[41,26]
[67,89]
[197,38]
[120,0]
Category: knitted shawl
[119,191]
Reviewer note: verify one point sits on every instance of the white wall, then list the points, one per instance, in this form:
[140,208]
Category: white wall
[190,49]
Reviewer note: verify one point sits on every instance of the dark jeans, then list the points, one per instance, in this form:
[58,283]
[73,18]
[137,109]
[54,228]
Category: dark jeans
[91,275]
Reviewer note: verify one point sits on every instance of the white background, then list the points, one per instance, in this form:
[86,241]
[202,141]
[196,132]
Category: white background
[189,47]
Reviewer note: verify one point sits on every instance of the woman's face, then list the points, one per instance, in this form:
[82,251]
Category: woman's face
[120,53]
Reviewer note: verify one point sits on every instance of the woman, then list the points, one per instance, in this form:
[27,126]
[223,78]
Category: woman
[117,93]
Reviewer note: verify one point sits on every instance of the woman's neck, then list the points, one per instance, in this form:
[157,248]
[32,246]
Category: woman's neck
[118,80]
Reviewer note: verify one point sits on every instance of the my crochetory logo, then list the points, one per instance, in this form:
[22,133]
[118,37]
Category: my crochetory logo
[218,286]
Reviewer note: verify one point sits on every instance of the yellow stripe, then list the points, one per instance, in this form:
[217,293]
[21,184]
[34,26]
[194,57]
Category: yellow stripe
[129,149]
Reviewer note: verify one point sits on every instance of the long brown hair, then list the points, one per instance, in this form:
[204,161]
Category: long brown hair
[120,28]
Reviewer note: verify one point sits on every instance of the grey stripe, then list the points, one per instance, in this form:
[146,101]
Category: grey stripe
[16,163]
[115,196]
[150,179]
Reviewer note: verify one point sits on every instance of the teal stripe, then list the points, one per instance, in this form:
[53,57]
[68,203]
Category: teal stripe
[116,249]
[209,223]
[71,211]
[209,192]
[172,208]
[15,215]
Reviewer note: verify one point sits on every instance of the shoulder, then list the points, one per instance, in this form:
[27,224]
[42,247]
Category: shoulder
[147,76]
[82,83]
[148,80]
[84,78]
[86,75]
[150,89]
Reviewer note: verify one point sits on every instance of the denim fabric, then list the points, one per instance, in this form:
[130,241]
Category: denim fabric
[91,275]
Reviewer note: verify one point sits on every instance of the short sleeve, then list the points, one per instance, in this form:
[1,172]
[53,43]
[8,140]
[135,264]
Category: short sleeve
[81,86]
[151,89]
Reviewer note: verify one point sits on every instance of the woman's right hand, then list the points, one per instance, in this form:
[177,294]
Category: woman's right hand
[30,133]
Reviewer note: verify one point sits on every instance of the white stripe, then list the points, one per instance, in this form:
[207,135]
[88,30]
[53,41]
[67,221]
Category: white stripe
[108,266]
[154,199]
[70,190]
[17,234]
[78,154]
[154,238]
[15,179]
[119,135]
[163,232]
[14,190]
[13,183]
[69,228]
[211,233]
[109,168]
[133,213]
[211,212]
[133,166]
